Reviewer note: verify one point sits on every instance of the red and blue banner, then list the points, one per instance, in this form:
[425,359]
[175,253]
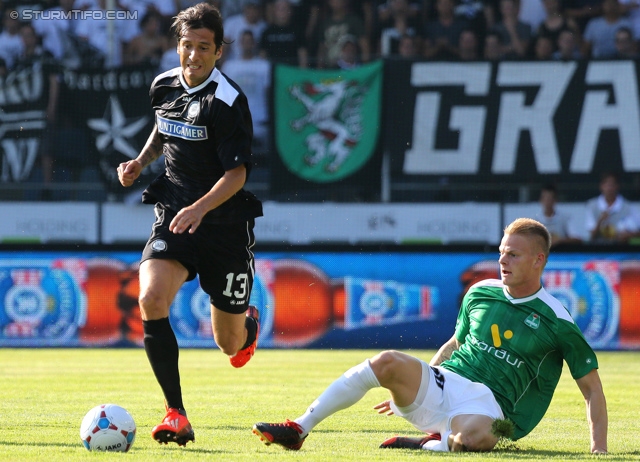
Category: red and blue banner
[307,298]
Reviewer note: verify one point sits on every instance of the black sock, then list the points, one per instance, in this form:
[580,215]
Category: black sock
[252,331]
[162,350]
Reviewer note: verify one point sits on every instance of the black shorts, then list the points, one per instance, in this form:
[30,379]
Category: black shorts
[220,254]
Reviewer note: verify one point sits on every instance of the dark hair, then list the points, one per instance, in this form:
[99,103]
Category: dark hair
[148,16]
[551,188]
[625,30]
[609,174]
[200,16]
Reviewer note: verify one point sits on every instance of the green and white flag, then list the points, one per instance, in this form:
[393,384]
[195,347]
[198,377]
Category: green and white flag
[327,121]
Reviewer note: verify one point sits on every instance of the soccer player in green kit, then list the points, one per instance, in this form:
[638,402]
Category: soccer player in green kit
[503,362]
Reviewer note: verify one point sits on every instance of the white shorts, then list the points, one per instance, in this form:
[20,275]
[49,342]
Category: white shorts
[442,396]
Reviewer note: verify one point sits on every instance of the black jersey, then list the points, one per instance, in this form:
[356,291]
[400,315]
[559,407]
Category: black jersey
[206,130]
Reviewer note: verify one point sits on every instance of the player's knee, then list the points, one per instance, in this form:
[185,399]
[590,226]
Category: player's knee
[385,365]
[152,305]
[229,343]
[473,441]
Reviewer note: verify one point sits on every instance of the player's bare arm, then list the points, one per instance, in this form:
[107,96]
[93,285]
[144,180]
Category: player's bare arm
[445,351]
[591,388]
[189,218]
[129,171]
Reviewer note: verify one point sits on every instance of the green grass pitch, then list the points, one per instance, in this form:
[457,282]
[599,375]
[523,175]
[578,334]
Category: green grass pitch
[46,392]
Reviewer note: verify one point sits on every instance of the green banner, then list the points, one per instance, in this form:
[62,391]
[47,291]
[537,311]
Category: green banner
[327,122]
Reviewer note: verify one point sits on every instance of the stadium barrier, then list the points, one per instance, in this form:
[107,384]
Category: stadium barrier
[308,296]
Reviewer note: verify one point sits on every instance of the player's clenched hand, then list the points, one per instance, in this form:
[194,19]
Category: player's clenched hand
[384,408]
[128,172]
[189,218]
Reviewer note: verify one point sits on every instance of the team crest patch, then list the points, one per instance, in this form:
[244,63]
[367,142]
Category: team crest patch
[533,321]
[193,110]
[159,245]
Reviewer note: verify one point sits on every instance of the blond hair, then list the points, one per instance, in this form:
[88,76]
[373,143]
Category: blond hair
[531,228]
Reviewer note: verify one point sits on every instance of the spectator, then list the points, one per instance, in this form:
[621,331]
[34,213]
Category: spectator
[306,17]
[468,45]
[282,41]
[600,34]
[442,35]
[492,47]
[582,11]
[543,48]
[609,217]
[400,20]
[631,9]
[515,35]
[365,10]
[233,7]
[170,58]
[626,46]
[165,9]
[555,22]
[558,223]
[58,37]
[349,53]
[94,30]
[475,13]
[149,46]
[340,22]
[567,46]
[11,45]
[234,26]
[34,53]
[408,47]
[253,74]
[532,12]
[385,10]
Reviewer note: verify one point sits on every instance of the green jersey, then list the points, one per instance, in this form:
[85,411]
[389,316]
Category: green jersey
[516,347]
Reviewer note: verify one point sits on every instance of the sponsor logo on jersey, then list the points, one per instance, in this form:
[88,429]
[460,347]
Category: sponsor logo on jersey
[533,321]
[495,335]
[182,129]
[497,352]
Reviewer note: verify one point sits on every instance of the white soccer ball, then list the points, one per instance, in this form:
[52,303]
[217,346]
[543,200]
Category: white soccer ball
[108,427]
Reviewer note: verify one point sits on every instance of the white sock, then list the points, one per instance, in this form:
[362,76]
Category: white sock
[341,394]
[435,445]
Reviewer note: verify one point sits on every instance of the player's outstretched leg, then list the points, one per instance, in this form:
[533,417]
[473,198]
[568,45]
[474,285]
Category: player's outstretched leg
[174,428]
[243,356]
[287,434]
[407,442]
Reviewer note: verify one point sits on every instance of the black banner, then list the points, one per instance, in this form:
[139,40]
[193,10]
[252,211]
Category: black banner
[112,109]
[24,96]
[511,122]
[103,117]
[466,125]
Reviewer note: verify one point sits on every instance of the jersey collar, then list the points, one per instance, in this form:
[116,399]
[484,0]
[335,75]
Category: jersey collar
[515,301]
[213,77]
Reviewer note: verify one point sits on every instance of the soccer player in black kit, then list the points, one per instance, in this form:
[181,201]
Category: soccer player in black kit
[204,217]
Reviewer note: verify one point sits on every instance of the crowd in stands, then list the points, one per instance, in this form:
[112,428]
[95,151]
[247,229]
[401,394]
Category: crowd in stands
[331,33]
